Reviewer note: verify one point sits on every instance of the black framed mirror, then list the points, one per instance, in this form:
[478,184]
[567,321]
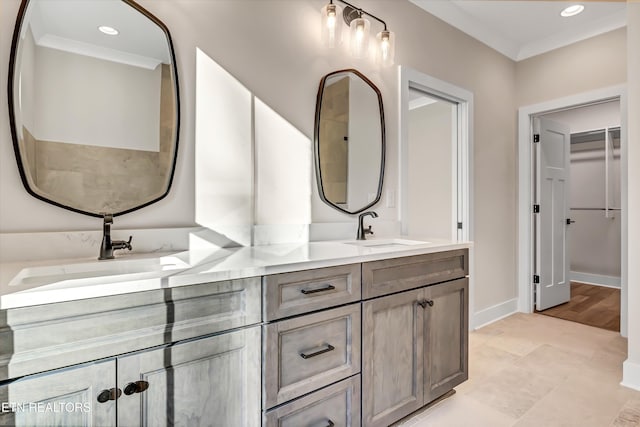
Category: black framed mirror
[93,104]
[349,141]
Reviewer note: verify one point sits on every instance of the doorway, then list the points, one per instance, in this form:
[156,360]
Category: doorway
[590,217]
[454,205]
[614,211]
[432,185]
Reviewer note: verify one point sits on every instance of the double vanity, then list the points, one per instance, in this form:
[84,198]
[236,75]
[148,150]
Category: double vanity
[324,333]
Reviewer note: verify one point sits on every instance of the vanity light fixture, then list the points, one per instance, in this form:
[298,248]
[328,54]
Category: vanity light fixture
[572,10]
[359,28]
[110,31]
[331,25]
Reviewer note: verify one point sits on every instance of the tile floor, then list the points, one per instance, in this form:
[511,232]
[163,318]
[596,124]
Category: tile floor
[534,370]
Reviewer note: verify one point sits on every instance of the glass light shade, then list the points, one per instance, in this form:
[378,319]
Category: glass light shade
[359,29]
[386,48]
[331,25]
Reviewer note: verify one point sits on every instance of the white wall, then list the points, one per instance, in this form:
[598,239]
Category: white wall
[430,175]
[598,116]
[90,101]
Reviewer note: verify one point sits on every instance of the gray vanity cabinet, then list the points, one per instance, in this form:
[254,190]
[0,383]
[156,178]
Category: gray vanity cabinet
[66,397]
[187,355]
[204,382]
[415,341]
[446,337]
[311,351]
[393,355]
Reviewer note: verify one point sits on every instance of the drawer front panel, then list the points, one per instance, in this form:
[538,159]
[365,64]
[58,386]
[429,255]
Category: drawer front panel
[310,352]
[337,405]
[400,274]
[288,294]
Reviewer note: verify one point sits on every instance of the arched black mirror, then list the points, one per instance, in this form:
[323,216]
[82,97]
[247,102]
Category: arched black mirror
[93,104]
[349,141]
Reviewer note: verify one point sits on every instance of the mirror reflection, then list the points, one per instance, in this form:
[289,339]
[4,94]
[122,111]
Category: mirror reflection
[94,104]
[350,141]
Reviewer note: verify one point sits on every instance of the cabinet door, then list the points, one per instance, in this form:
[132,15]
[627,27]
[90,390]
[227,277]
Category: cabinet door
[212,381]
[66,397]
[446,337]
[392,349]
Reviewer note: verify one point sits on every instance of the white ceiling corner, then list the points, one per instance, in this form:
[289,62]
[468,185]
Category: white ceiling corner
[522,29]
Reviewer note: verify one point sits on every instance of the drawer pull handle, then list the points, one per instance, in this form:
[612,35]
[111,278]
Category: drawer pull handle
[318,353]
[136,387]
[330,423]
[313,291]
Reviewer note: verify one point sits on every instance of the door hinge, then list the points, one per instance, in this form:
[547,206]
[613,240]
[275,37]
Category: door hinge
[536,137]
[459,226]
[536,279]
[536,208]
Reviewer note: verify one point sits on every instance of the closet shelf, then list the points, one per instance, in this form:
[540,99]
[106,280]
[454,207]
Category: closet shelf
[594,135]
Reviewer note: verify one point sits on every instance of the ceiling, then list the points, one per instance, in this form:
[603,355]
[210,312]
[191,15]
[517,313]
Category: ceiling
[72,26]
[522,29]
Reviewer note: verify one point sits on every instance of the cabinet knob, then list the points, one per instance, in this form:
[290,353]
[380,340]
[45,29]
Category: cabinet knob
[330,423]
[136,387]
[425,302]
[107,395]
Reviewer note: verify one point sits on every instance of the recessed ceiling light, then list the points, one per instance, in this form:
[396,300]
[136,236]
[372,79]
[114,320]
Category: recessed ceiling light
[572,10]
[110,31]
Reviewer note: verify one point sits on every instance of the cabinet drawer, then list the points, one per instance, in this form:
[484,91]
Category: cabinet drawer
[400,274]
[310,352]
[337,405]
[299,292]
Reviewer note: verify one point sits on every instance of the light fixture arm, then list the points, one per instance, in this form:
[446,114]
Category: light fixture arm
[361,11]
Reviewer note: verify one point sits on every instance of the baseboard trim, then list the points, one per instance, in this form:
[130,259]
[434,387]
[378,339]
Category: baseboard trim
[492,314]
[595,279]
[631,375]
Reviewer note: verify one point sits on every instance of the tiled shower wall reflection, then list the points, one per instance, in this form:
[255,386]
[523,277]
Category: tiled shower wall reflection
[103,179]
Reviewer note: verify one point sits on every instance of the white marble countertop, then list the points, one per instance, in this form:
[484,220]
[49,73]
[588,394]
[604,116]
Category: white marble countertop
[25,284]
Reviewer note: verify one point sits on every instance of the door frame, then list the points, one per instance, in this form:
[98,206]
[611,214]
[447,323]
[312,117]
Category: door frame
[526,195]
[411,78]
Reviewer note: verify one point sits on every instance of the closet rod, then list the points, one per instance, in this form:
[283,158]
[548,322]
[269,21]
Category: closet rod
[594,209]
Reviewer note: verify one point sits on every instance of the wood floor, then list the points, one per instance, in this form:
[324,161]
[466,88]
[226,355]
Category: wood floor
[590,305]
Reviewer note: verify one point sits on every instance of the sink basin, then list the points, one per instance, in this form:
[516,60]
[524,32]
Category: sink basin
[97,272]
[386,243]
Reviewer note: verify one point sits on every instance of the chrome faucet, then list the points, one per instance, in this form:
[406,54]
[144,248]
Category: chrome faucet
[108,246]
[362,232]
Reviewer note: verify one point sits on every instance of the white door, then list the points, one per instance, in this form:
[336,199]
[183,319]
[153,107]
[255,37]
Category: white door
[552,195]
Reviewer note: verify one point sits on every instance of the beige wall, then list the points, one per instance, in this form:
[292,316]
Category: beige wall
[281,62]
[632,366]
[587,65]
